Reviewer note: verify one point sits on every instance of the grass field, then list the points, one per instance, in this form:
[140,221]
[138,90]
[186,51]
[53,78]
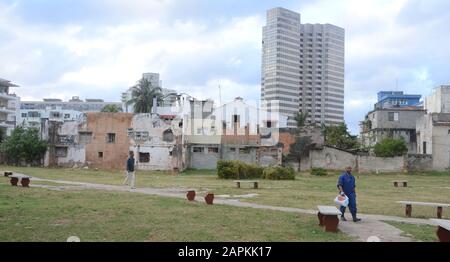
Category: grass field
[425,233]
[375,193]
[36,214]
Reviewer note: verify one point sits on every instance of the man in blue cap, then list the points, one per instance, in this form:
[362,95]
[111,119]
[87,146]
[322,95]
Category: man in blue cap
[346,185]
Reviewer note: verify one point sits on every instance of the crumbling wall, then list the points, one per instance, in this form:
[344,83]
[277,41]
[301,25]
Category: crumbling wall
[100,153]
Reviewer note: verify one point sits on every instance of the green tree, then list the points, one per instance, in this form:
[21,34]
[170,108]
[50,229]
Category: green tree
[300,118]
[142,96]
[390,147]
[2,134]
[24,145]
[339,137]
[300,149]
[111,109]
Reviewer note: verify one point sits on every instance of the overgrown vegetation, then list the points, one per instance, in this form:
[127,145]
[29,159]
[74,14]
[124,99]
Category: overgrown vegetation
[24,145]
[319,172]
[233,169]
[390,147]
[279,173]
[338,136]
[300,149]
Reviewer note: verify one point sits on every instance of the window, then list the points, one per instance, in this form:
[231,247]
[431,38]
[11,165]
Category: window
[269,124]
[198,149]
[137,136]
[235,118]
[100,154]
[413,137]
[168,136]
[130,132]
[110,138]
[55,115]
[24,114]
[85,137]
[144,157]
[33,114]
[213,150]
[392,116]
[232,149]
[144,136]
[244,151]
[424,148]
[66,116]
[61,151]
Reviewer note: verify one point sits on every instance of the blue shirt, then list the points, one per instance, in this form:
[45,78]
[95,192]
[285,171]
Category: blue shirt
[130,164]
[347,182]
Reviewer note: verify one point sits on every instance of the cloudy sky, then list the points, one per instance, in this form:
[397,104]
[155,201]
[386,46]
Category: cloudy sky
[98,48]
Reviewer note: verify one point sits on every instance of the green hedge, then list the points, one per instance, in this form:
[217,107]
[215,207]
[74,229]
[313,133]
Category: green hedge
[279,173]
[318,172]
[233,169]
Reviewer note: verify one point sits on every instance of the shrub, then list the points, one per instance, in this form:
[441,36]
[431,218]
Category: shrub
[279,173]
[252,171]
[233,169]
[390,148]
[228,169]
[318,172]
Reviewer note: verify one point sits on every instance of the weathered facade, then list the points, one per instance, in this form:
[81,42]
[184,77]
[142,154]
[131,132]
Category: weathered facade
[397,123]
[107,143]
[156,142]
[233,131]
[433,137]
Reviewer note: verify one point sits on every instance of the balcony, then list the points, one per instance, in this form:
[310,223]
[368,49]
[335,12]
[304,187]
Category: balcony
[4,109]
[7,96]
[33,119]
[6,124]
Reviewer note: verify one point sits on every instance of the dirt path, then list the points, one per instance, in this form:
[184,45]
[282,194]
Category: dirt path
[371,225]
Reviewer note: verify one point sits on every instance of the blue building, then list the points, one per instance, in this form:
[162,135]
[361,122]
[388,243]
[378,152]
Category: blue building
[396,99]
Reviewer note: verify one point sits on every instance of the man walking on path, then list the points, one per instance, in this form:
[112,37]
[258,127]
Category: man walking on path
[130,176]
[346,185]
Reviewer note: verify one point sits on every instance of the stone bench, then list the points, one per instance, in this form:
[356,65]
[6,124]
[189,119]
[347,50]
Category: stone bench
[24,180]
[400,182]
[328,217]
[255,183]
[409,204]
[443,231]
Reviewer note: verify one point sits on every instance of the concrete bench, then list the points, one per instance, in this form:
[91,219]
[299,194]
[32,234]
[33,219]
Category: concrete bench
[255,183]
[409,204]
[24,180]
[400,182]
[443,231]
[8,173]
[328,217]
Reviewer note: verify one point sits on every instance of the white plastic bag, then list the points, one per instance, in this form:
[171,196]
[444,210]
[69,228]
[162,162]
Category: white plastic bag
[341,200]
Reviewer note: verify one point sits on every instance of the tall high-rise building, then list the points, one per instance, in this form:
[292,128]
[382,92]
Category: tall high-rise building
[303,68]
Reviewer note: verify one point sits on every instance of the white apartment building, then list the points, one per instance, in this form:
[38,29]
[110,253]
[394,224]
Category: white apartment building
[303,68]
[75,104]
[9,104]
[36,118]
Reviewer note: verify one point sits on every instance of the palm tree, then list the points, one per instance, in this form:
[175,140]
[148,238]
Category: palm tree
[142,96]
[300,118]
